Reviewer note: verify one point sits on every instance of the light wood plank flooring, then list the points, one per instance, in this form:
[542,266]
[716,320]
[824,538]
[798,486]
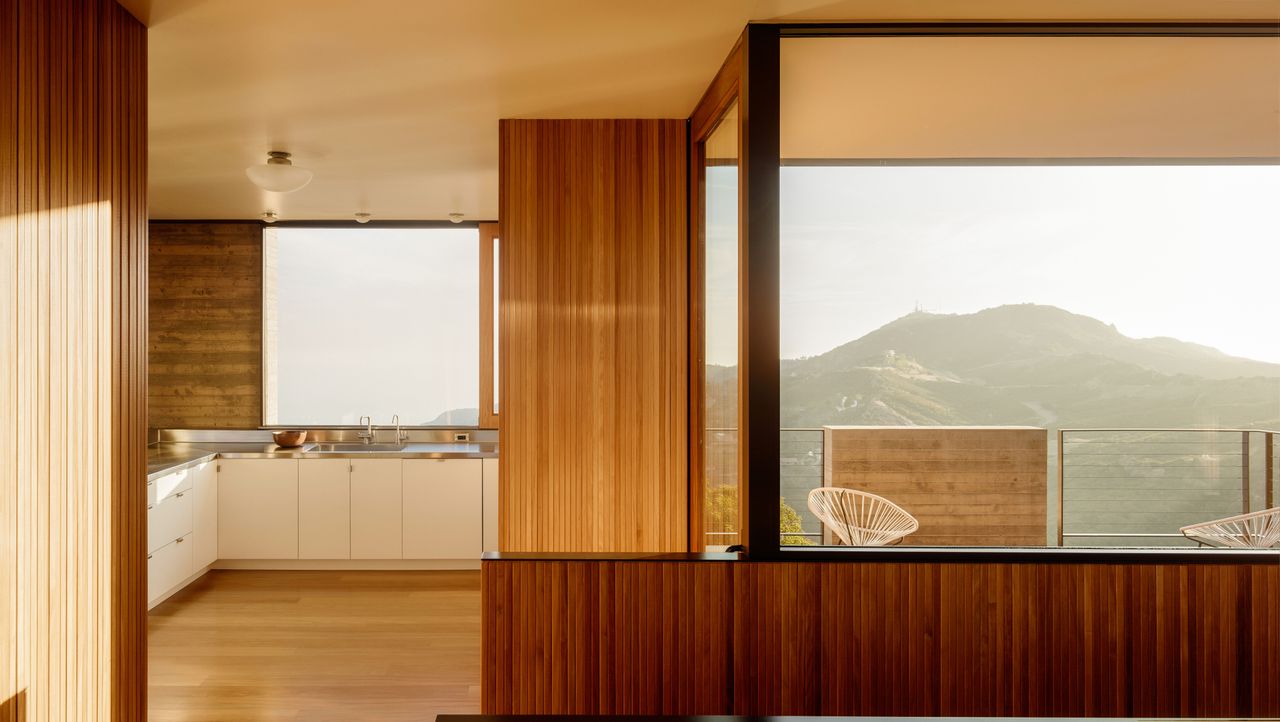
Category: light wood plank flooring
[306,645]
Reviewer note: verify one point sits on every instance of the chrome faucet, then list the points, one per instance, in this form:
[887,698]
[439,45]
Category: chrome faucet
[367,434]
[401,436]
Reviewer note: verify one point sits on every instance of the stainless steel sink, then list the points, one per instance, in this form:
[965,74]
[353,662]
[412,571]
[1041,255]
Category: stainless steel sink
[358,448]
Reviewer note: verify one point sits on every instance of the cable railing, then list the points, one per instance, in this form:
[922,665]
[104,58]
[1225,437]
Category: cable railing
[1141,485]
[800,473]
[1115,486]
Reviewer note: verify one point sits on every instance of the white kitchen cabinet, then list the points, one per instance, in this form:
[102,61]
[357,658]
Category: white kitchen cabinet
[258,509]
[443,501]
[174,510]
[168,485]
[324,509]
[168,566]
[204,512]
[169,518]
[490,504]
[375,509]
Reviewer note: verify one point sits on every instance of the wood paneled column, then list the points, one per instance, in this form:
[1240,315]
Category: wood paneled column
[72,361]
[593,335]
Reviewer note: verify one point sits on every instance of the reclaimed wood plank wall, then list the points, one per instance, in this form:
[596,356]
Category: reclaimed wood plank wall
[593,333]
[967,486]
[846,638]
[205,336]
[73,366]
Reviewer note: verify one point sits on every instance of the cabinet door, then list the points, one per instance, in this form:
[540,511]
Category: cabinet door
[442,508]
[375,508]
[258,509]
[204,536]
[490,505]
[324,509]
[168,519]
[167,567]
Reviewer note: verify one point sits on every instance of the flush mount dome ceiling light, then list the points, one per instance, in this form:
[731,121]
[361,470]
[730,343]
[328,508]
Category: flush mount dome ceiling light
[278,174]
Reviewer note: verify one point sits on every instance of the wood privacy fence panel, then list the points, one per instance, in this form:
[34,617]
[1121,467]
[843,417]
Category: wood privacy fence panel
[593,332]
[205,335]
[813,638]
[967,486]
[73,361]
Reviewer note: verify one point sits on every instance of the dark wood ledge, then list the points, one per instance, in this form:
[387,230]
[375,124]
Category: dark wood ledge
[926,555]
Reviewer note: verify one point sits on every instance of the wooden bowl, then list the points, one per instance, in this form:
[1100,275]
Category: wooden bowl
[289,439]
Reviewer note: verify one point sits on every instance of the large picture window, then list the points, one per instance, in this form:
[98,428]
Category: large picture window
[1016,277]
[380,322]
[1005,278]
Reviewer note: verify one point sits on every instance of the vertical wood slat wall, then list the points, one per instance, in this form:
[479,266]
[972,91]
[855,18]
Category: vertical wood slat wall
[593,335]
[72,361]
[909,639]
[205,329]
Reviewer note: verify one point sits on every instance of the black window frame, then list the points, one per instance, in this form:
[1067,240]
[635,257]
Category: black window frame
[760,240]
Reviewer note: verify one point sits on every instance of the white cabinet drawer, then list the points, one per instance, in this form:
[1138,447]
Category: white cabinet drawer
[168,519]
[170,484]
[168,566]
[442,508]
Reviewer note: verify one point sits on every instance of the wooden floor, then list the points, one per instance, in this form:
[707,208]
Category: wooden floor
[254,645]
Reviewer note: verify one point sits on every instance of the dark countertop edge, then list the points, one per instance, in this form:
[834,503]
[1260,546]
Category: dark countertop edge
[775,718]
[931,555]
[783,718]
[611,557]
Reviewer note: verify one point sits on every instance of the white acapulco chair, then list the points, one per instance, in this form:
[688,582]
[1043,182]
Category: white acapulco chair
[1255,530]
[860,518]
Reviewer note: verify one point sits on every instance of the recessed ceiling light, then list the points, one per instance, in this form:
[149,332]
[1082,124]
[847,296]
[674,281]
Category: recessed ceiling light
[278,174]
[455,217]
[364,217]
[269,217]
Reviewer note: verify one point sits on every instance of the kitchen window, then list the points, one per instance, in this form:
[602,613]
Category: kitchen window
[372,321]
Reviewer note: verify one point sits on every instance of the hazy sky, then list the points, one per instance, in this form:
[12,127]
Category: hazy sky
[377,321]
[1191,252]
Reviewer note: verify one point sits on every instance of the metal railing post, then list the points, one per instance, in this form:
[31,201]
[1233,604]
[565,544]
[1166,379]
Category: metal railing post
[1244,471]
[1061,475]
[1269,473]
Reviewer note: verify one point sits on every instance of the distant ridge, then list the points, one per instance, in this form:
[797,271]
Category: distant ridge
[1022,364]
[968,343]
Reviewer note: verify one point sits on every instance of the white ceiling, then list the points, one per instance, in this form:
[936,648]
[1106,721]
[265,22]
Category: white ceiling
[395,103]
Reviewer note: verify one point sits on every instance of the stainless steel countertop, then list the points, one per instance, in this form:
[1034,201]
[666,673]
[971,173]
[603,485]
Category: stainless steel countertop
[167,457]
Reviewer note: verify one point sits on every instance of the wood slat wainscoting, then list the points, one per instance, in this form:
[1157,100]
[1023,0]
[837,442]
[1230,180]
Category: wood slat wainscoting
[850,638]
[593,335]
[966,485]
[73,367]
[205,338]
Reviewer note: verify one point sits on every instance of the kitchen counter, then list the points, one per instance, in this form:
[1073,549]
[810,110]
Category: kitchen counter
[167,457]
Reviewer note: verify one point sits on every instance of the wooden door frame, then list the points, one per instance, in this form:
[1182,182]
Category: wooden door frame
[706,116]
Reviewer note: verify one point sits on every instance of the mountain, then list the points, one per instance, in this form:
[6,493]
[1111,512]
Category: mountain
[1022,364]
[985,343]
